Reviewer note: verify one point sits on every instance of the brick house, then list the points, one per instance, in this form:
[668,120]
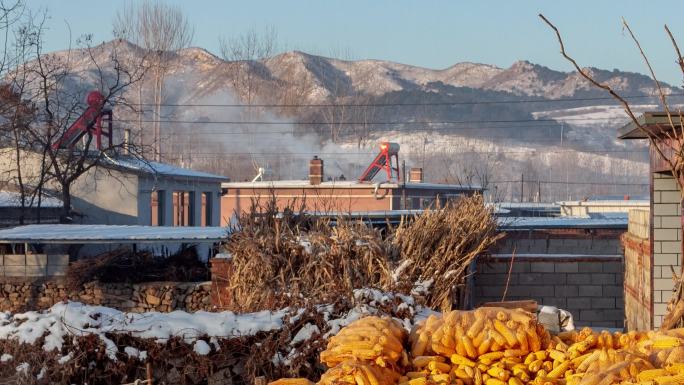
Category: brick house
[654,251]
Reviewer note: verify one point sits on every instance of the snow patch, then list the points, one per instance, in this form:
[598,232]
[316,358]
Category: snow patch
[305,333]
[201,347]
[6,357]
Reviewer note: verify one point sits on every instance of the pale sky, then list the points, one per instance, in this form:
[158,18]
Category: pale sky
[433,34]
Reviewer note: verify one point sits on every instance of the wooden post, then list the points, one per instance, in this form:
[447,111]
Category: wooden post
[148,369]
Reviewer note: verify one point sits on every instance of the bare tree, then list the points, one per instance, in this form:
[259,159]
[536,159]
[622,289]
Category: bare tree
[666,140]
[161,30]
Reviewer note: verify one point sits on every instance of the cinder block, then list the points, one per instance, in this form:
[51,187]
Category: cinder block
[670,247]
[519,267]
[36,259]
[670,196]
[56,270]
[666,234]
[613,291]
[660,259]
[602,279]
[603,303]
[36,271]
[15,260]
[590,267]
[665,209]
[579,279]
[616,315]
[664,184]
[659,308]
[670,222]
[567,267]
[517,291]
[663,284]
[493,291]
[604,324]
[530,278]
[15,270]
[579,303]
[541,290]
[492,268]
[591,315]
[58,259]
[554,279]
[590,291]
[612,267]
[542,267]
[495,279]
[564,291]
[555,301]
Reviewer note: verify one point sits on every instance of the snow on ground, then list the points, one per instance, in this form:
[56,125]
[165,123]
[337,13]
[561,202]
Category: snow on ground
[67,319]
[73,318]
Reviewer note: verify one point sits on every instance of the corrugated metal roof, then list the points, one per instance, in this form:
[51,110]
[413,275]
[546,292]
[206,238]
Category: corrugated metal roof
[148,167]
[532,223]
[304,183]
[99,234]
[658,121]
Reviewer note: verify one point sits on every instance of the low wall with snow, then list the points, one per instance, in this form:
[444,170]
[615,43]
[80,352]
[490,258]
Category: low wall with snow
[23,294]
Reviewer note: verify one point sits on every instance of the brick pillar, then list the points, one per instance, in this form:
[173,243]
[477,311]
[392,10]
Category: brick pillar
[221,271]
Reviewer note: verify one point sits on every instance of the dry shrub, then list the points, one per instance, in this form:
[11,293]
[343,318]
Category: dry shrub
[283,259]
[288,258]
[438,246]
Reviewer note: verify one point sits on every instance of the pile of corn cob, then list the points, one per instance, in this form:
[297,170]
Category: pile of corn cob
[495,346]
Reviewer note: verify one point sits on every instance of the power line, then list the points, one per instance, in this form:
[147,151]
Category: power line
[359,123]
[571,183]
[398,104]
[270,152]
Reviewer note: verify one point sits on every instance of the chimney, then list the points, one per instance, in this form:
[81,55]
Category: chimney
[315,171]
[416,175]
[127,141]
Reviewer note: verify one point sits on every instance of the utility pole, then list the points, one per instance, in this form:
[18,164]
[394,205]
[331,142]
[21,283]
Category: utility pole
[522,187]
[538,191]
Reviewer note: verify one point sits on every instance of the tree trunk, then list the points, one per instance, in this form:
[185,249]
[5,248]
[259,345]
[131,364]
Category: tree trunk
[66,206]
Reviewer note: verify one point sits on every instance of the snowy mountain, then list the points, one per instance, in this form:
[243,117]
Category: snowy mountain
[494,110]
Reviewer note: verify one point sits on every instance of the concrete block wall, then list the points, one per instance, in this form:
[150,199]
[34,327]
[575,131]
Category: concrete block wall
[33,265]
[666,240]
[590,287]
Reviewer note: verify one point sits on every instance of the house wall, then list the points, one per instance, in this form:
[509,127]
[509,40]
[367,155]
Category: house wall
[586,209]
[106,197]
[638,272]
[166,186]
[666,240]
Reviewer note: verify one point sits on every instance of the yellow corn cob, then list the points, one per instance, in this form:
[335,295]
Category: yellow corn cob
[558,371]
[477,377]
[498,338]
[514,381]
[461,373]
[499,373]
[291,381]
[514,353]
[484,347]
[533,340]
[647,375]
[460,360]
[468,345]
[418,381]
[476,327]
[557,355]
[422,361]
[506,333]
[547,365]
[666,342]
[439,367]
[494,381]
[444,377]
[669,380]
[529,358]
[442,350]
[492,356]
[535,366]
[675,368]
[521,336]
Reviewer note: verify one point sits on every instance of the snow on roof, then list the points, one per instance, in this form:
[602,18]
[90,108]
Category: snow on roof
[149,167]
[304,183]
[13,199]
[61,233]
[526,223]
[607,202]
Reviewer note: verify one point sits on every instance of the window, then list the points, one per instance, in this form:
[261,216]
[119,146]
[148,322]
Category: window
[181,208]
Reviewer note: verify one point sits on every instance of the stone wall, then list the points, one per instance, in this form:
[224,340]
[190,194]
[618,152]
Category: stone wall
[22,294]
[588,286]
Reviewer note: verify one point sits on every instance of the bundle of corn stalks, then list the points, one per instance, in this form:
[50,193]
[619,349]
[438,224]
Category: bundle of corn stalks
[439,245]
[675,307]
[283,259]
